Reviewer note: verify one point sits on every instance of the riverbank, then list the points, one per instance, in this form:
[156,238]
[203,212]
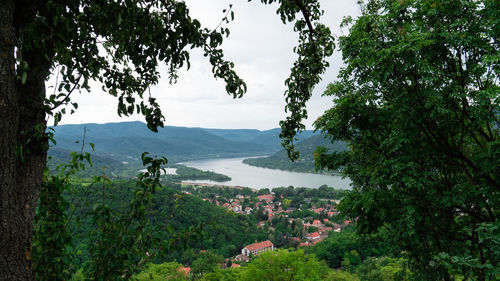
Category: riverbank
[258,178]
[184,183]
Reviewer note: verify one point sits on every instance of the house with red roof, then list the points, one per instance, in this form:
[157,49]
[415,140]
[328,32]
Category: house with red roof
[324,231]
[313,236]
[257,248]
[266,197]
[236,208]
[304,244]
[241,257]
[318,210]
[186,270]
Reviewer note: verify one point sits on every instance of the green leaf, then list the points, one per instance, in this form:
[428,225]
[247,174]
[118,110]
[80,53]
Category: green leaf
[23,77]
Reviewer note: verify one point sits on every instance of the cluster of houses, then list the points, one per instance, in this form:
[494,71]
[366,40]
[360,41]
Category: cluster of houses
[274,208]
[234,204]
[314,232]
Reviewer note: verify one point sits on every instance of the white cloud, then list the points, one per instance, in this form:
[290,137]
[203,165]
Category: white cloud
[261,48]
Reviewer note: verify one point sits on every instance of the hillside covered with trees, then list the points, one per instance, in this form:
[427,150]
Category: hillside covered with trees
[305,163]
[126,141]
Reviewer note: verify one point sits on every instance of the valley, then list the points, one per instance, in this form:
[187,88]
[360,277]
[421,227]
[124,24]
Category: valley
[116,148]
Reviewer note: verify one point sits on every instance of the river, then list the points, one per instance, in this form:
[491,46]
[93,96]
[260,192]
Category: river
[255,177]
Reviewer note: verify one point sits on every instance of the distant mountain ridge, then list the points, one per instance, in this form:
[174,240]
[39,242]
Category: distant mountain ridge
[269,138]
[126,141]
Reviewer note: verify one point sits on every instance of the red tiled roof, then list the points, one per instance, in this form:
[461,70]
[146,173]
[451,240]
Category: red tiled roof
[318,210]
[259,245]
[235,265]
[315,234]
[266,197]
[241,257]
[185,269]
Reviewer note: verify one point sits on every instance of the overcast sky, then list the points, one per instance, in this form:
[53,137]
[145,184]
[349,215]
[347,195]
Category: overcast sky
[261,48]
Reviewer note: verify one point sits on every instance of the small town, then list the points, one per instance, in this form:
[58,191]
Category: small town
[309,219]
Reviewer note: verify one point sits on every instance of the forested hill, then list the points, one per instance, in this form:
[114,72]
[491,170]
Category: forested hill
[224,232]
[126,141]
[279,160]
[268,139]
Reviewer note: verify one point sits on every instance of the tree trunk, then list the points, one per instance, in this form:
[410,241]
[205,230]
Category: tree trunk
[23,150]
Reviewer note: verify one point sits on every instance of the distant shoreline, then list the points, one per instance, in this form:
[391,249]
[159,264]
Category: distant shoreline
[216,184]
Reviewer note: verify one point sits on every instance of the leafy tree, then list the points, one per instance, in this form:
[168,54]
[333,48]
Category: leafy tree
[418,105]
[52,259]
[334,248]
[383,269]
[230,274]
[351,259]
[338,275]
[263,191]
[284,265]
[205,263]
[164,271]
[118,44]
[312,229]
[286,203]
[370,270]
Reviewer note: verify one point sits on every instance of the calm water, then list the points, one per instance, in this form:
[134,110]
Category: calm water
[164,171]
[256,177]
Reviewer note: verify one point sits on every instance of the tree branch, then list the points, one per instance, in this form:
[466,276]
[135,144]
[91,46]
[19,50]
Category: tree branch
[307,18]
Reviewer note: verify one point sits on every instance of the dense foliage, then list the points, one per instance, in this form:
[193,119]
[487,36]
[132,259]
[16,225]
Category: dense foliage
[172,212]
[340,245]
[115,169]
[189,173]
[287,265]
[418,105]
[322,192]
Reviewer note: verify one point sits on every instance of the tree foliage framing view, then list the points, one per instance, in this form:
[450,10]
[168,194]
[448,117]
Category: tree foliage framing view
[418,103]
[120,45]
